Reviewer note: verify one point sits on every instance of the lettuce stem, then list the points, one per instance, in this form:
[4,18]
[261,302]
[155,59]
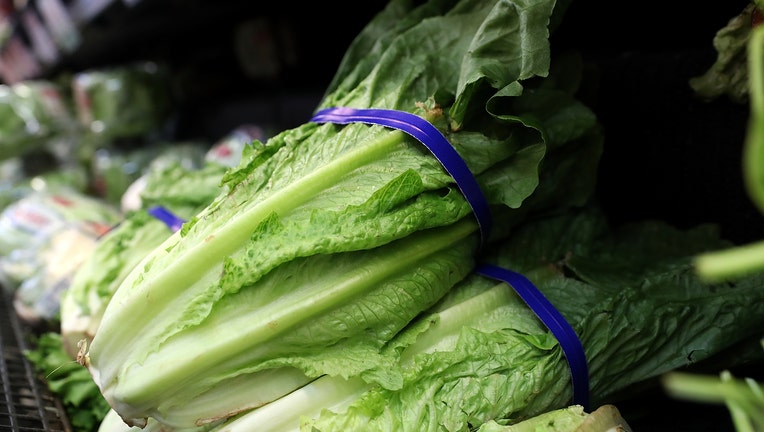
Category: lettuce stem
[729,263]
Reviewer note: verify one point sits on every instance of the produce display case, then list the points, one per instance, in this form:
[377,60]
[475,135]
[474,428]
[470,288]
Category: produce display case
[27,404]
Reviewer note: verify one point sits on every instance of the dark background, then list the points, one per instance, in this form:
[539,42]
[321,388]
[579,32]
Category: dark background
[668,154]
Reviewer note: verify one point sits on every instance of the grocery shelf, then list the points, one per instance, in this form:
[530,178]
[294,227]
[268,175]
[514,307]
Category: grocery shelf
[26,404]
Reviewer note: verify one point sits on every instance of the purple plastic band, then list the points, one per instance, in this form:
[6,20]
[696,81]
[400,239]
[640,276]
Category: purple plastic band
[551,317]
[173,222]
[431,137]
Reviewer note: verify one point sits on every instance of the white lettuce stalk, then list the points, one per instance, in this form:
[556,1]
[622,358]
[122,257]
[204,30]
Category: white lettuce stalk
[483,309]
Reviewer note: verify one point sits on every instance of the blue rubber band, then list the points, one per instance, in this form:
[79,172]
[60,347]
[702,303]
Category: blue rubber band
[173,222]
[431,137]
[551,317]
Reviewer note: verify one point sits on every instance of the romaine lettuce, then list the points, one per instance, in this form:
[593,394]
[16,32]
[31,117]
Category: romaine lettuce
[327,240]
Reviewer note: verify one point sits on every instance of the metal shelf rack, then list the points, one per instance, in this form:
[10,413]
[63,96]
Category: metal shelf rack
[26,404]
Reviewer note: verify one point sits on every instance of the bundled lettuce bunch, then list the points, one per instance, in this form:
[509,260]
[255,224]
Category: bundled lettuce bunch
[328,239]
